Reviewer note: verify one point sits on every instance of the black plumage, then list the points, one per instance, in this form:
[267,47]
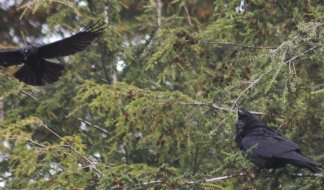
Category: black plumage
[267,148]
[36,69]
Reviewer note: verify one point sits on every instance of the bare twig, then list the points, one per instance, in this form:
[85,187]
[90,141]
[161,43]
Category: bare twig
[95,126]
[243,45]
[91,164]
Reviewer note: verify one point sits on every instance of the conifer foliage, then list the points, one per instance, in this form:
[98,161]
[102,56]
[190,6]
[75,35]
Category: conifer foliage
[150,105]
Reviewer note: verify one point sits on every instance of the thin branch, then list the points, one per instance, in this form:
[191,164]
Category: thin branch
[95,126]
[214,106]
[152,182]
[29,95]
[195,161]
[246,89]
[50,130]
[159,13]
[220,178]
[301,54]
[306,175]
[36,143]
[106,12]
[210,105]
[244,45]
[91,164]
[188,16]
[317,91]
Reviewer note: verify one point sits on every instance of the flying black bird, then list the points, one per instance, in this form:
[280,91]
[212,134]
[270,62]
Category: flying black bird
[267,148]
[36,69]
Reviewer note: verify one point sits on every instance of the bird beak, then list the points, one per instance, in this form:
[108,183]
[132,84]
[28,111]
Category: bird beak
[241,111]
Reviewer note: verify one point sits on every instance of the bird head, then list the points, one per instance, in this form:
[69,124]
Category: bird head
[246,120]
[242,113]
[26,52]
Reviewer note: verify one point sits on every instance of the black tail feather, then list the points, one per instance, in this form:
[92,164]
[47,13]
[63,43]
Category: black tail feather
[299,160]
[311,166]
[46,72]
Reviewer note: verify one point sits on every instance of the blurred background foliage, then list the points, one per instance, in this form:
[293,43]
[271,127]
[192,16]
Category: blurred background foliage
[143,107]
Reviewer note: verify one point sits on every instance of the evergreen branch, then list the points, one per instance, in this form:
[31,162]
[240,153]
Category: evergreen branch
[91,164]
[254,82]
[25,93]
[95,126]
[243,45]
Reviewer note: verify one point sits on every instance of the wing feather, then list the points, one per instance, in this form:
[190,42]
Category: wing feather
[10,57]
[72,44]
[267,143]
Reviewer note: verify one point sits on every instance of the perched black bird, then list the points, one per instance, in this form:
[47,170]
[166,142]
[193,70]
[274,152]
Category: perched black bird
[267,148]
[36,69]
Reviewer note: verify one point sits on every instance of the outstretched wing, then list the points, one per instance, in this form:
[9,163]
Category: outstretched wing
[267,143]
[72,44]
[10,57]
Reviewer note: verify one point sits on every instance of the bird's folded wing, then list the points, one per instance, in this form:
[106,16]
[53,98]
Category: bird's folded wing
[72,44]
[267,144]
[10,57]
